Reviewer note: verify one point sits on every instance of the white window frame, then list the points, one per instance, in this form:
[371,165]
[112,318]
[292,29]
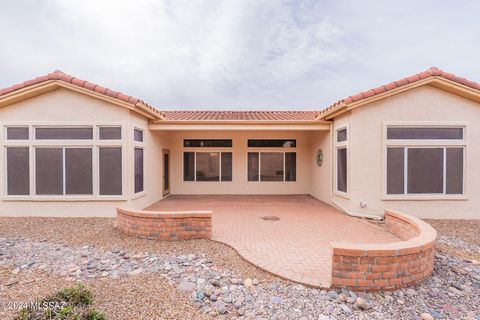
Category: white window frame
[5,127]
[272,150]
[33,143]
[110,126]
[341,145]
[138,145]
[425,143]
[206,150]
[143,135]
[64,191]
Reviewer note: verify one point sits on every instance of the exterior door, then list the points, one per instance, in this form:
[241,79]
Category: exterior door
[166,172]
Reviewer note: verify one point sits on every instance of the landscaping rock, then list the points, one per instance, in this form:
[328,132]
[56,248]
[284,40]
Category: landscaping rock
[343,297]
[220,307]
[362,304]
[215,290]
[345,309]
[11,282]
[187,286]
[332,294]
[426,316]
[276,300]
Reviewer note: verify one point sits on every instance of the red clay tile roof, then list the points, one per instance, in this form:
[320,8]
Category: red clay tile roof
[430,73]
[58,75]
[243,115]
[240,115]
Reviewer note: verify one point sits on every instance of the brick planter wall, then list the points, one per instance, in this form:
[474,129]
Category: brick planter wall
[171,226]
[390,266]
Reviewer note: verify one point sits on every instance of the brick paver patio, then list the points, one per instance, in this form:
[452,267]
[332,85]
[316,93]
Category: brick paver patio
[296,247]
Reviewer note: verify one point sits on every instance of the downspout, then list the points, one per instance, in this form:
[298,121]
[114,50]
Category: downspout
[335,204]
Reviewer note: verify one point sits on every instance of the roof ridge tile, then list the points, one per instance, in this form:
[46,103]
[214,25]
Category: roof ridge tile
[430,72]
[59,75]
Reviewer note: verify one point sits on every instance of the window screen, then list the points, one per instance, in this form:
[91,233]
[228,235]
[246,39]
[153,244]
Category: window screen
[110,170]
[207,166]
[290,166]
[18,177]
[63,133]
[395,170]
[207,143]
[342,170]
[424,133]
[138,135]
[49,171]
[271,166]
[454,171]
[272,143]
[226,166]
[78,171]
[342,135]
[425,170]
[138,170]
[17,133]
[188,166]
[253,166]
[110,133]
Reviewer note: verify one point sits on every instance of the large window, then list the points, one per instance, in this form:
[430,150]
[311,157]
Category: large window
[138,163]
[49,164]
[63,133]
[341,150]
[138,167]
[62,171]
[201,164]
[18,173]
[272,166]
[342,169]
[266,161]
[207,166]
[110,170]
[420,161]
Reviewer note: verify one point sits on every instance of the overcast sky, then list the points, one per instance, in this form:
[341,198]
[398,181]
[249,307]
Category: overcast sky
[241,54]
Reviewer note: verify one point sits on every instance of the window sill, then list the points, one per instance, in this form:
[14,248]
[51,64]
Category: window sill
[61,199]
[272,181]
[139,195]
[341,194]
[425,198]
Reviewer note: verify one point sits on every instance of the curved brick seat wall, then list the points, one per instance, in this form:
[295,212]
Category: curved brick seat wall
[172,226]
[389,266]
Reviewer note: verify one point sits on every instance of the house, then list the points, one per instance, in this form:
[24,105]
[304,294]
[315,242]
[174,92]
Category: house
[73,148]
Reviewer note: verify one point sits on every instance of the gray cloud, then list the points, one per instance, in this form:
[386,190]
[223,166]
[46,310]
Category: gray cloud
[237,54]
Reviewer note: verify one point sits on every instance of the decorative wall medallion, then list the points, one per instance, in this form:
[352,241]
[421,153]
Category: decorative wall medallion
[319,157]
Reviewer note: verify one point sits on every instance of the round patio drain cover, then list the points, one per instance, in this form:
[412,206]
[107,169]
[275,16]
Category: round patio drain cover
[270,218]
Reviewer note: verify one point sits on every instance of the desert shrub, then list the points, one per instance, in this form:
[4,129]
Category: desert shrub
[72,303]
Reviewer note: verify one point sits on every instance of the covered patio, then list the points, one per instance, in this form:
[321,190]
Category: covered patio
[287,235]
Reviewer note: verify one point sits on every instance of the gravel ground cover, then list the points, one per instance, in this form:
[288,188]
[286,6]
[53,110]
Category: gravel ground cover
[460,238]
[140,279]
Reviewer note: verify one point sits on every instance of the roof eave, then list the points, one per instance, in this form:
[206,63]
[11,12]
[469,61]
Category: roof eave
[35,90]
[215,122]
[435,81]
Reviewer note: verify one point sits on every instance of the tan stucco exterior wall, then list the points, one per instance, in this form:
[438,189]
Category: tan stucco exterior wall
[366,165]
[240,185]
[65,107]
[321,176]
[366,150]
